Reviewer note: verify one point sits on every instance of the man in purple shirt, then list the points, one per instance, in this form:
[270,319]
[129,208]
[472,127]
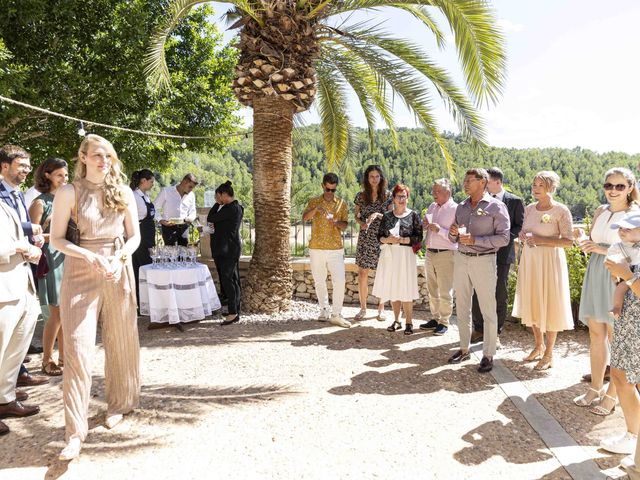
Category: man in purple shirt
[481,228]
[438,263]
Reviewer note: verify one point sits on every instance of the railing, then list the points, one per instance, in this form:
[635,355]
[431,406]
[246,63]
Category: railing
[299,236]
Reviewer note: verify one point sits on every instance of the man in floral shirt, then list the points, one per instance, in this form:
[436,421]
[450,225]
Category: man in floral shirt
[481,228]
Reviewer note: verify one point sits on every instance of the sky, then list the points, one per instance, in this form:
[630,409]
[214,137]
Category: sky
[572,77]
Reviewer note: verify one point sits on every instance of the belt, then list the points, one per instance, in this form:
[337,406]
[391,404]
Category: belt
[438,250]
[473,254]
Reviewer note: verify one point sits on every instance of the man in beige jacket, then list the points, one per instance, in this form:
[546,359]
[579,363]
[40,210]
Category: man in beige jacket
[19,309]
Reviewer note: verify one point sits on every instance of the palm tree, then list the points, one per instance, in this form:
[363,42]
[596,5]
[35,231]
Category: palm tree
[294,51]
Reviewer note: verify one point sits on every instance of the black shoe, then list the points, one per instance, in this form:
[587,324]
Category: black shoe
[440,330]
[233,320]
[486,365]
[34,350]
[408,329]
[459,356]
[430,325]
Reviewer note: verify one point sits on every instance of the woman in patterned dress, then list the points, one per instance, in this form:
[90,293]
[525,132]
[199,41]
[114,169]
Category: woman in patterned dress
[49,177]
[542,298]
[625,347]
[371,203]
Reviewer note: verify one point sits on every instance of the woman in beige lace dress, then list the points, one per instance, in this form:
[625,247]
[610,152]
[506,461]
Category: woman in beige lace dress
[542,298]
[97,287]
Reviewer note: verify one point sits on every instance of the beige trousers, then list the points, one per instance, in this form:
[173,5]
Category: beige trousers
[87,299]
[479,274]
[17,323]
[438,268]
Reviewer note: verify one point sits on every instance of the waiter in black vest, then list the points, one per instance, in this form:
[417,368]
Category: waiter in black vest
[505,256]
[141,182]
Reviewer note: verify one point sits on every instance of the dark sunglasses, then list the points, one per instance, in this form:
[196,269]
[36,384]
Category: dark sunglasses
[332,190]
[618,186]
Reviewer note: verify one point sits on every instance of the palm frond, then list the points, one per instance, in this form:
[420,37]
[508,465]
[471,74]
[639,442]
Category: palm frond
[334,120]
[460,107]
[422,14]
[406,83]
[479,41]
[155,62]
[480,46]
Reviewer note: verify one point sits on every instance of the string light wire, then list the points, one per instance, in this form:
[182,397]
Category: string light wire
[88,123]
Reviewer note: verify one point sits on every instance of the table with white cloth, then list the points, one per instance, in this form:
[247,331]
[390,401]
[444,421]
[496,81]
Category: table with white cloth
[177,295]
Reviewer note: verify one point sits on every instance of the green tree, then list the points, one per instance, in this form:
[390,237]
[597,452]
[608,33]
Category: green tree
[294,51]
[85,58]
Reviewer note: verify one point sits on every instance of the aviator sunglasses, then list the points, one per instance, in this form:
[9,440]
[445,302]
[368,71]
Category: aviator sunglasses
[618,186]
[332,190]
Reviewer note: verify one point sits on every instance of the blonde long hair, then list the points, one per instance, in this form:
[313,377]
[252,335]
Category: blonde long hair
[114,182]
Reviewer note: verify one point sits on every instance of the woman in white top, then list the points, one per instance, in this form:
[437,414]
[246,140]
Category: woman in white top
[141,182]
[596,300]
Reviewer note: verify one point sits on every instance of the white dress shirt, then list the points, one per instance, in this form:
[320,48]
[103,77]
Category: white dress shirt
[172,205]
[499,195]
[141,197]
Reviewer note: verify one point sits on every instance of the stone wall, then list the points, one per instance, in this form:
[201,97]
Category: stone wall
[303,281]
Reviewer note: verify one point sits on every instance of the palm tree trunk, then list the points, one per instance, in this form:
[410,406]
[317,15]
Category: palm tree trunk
[268,287]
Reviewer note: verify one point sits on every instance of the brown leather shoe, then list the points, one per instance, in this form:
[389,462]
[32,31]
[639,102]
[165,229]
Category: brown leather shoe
[4,429]
[607,375]
[17,409]
[28,380]
[21,395]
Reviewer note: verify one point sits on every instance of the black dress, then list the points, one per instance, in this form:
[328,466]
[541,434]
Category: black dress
[147,240]
[226,248]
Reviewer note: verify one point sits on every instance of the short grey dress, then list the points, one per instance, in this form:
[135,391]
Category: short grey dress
[625,348]
[596,299]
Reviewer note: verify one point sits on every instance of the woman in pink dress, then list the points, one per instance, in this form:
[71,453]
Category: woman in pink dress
[542,292]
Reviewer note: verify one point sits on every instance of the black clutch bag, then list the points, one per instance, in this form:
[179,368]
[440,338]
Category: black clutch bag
[73,234]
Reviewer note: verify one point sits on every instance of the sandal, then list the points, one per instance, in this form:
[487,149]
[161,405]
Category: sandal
[408,329]
[396,325]
[582,401]
[545,363]
[536,354]
[361,314]
[600,410]
[50,368]
[381,316]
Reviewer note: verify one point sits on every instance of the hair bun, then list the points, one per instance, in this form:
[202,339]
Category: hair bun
[228,183]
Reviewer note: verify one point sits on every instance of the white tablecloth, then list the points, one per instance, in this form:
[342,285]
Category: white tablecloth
[174,295]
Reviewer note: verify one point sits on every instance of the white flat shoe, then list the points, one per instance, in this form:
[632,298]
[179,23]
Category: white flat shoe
[71,451]
[113,420]
[625,444]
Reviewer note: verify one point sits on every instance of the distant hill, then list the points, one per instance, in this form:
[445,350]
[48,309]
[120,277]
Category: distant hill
[416,162]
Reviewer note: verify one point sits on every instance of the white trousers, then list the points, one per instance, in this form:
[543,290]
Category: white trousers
[479,274]
[333,261]
[17,323]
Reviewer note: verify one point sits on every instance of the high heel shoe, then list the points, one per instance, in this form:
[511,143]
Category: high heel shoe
[396,325]
[582,401]
[603,412]
[545,363]
[536,354]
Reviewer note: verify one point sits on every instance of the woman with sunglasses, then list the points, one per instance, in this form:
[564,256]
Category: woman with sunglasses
[371,203]
[598,287]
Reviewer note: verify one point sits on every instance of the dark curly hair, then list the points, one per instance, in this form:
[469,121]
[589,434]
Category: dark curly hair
[50,165]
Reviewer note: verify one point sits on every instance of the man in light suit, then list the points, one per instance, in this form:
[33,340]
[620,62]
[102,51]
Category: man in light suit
[506,255]
[19,309]
[15,165]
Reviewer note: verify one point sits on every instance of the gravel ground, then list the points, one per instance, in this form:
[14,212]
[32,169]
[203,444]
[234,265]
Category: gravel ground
[288,397]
